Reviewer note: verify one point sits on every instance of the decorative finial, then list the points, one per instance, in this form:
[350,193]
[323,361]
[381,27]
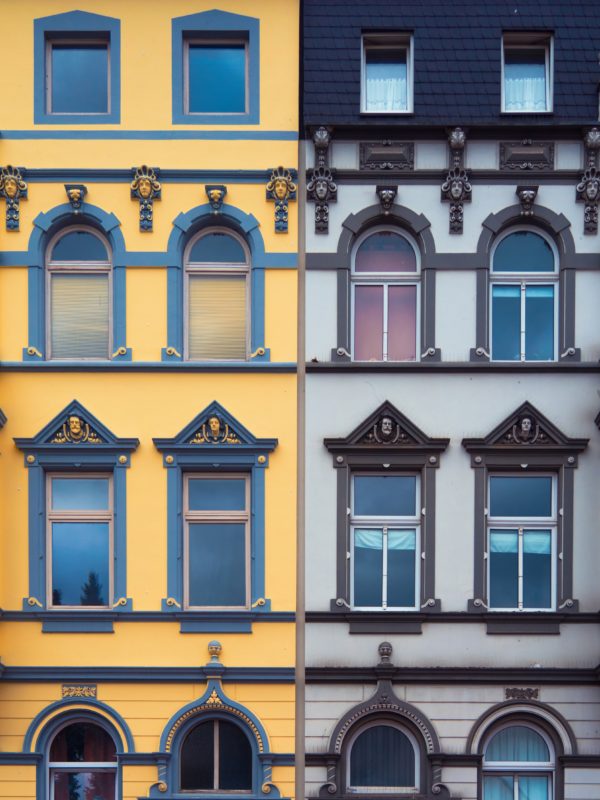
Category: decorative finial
[385,652]
[76,193]
[146,188]
[214,650]
[12,189]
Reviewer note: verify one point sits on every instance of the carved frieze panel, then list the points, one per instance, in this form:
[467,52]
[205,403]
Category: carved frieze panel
[514,693]
[83,690]
[526,155]
[388,155]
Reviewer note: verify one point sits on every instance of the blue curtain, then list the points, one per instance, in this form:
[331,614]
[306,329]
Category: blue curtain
[382,756]
[517,743]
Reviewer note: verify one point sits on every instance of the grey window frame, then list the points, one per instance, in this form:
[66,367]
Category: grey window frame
[375,723]
[402,41]
[529,40]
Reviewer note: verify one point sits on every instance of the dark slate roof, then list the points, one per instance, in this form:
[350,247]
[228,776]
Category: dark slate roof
[457,68]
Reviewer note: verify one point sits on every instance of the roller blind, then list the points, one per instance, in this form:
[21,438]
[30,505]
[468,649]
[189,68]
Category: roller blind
[217,317]
[79,316]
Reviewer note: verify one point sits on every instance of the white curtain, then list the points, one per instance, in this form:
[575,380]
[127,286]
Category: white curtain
[525,87]
[386,87]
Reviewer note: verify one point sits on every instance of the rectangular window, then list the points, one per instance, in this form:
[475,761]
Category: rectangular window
[527,72]
[216,76]
[217,541]
[79,540]
[79,318]
[78,76]
[523,322]
[522,521]
[386,86]
[385,322]
[384,541]
[217,317]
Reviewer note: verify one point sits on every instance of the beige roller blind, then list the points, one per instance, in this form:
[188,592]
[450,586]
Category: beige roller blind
[79,316]
[217,317]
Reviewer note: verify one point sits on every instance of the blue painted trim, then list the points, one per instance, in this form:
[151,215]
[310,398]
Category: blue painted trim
[48,456]
[218,135]
[186,225]
[215,626]
[77,626]
[111,175]
[64,674]
[156,258]
[186,457]
[20,758]
[45,226]
[211,22]
[172,365]
[73,24]
[2,419]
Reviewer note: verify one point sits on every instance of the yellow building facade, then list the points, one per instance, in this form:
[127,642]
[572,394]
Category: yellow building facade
[148,442]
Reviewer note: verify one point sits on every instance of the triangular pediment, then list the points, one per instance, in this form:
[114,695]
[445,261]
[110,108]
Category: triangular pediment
[215,427]
[75,427]
[386,427]
[526,427]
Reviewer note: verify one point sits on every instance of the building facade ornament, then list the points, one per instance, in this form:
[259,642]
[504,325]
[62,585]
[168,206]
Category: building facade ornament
[387,195]
[321,188]
[588,188]
[526,155]
[514,693]
[527,195]
[12,188]
[215,430]
[456,189]
[76,430]
[387,155]
[146,188]
[281,189]
[216,195]
[76,193]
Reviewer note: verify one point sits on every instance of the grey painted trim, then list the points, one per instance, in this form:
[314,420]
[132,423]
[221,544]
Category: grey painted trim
[467,676]
[433,177]
[377,618]
[145,674]
[479,537]
[514,367]
[516,627]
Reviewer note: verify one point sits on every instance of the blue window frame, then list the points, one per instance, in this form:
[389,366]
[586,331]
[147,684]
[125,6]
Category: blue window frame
[77,492]
[524,294]
[77,65]
[215,496]
[216,78]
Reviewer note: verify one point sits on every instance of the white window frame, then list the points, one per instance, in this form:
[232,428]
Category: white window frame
[223,40]
[520,524]
[377,723]
[191,517]
[525,40]
[386,279]
[78,268]
[521,768]
[195,268]
[384,524]
[54,767]
[401,41]
[523,279]
[75,41]
[80,515]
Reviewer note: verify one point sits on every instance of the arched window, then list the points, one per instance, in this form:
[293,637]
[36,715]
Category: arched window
[216,756]
[383,758]
[82,763]
[524,295]
[217,266]
[518,764]
[385,297]
[78,295]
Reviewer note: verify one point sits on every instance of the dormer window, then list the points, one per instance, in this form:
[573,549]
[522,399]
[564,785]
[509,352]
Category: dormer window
[526,72]
[386,86]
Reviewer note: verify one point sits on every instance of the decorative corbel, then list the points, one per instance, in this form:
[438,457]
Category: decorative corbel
[216,195]
[12,189]
[588,188]
[386,194]
[280,190]
[76,193]
[456,189]
[146,188]
[527,195]
[321,188]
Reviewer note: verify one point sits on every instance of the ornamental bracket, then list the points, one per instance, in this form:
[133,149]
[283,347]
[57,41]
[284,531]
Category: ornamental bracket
[588,188]
[456,189]
[12,188]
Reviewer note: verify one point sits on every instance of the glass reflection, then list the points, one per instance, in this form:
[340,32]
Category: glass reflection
[385,495]
[217,248]
[80,563]
[79,246]
[79,78]
[217,564]
[70,494]
[217,494]
[217,78]
[385,251]
[516,496]
[523,251]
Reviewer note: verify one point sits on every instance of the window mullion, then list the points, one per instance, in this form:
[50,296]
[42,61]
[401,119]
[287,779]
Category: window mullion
[520,569]
[384,592]
[523,290]
[385,321]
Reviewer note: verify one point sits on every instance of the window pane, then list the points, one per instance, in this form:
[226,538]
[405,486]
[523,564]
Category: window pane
[79,246]
[368,323]
[537,569]
[79,79]
[525,80]
[217,317]
[401,569]
[534,787]
[402,323]
[84,785]
[512,496]
[80,558]
[368,568]
[385,495]
[83,741]
[79,316]
[385,251]
[89,494]
[539,323]
[382,756]
[523,251]
[386,80]
[217,78]
[504,569]
[217,494]
[217,248]
[517,743]
[217,564]
[197,758]
[235,758]
[498,787]
[506,323]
